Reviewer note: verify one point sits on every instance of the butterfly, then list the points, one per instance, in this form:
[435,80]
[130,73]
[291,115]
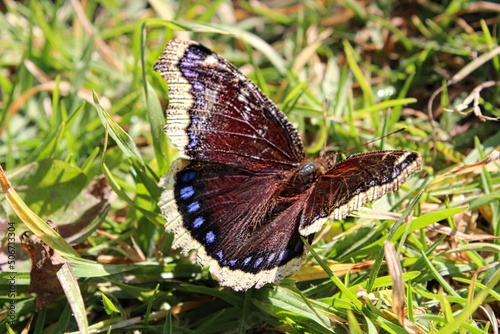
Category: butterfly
[242,191]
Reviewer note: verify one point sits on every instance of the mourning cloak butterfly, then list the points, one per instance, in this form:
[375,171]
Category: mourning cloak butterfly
[242,192]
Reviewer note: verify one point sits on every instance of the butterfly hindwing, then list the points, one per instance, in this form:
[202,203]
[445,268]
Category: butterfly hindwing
[214,208]
[217,114]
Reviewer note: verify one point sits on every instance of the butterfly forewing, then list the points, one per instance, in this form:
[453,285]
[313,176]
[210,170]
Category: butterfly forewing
[217,114]
[355,181]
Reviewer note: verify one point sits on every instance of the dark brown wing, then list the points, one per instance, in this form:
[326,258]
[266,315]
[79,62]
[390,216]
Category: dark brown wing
[217,114]
[353,182]
[232,218]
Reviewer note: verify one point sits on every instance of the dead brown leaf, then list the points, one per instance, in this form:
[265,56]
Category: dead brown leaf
[45,264]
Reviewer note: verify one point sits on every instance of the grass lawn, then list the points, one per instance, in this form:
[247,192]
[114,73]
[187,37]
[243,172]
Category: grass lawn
[82,148]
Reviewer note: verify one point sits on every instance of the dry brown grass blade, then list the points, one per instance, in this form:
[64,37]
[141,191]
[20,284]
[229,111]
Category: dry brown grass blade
[46,262]
[376,214]
[473,167]
[454,233]
[309,51]
[473,65]
[413,328]
[132,253]
[398,286]
[307,273]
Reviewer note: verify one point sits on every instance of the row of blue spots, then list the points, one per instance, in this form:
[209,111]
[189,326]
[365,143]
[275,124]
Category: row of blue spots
[186,193]
[192,75]
[210,237]
[188,66]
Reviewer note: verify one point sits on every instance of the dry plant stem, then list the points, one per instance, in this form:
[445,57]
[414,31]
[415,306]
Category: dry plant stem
[474,97]
[464,72]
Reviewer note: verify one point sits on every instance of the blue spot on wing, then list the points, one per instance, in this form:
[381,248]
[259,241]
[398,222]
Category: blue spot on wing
[395,173]
[187,192]
[283,255]
[210,237]
[219,254]
[198,222]
[198,85]
[187,63]
[193,207]
[247,260]
[188,73]
[321,215]
[297,246]
[271,257]
[192,55]
[194,140]
[189,176]
[258,262]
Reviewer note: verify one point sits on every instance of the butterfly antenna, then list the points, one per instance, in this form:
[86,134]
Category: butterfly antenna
[372,141]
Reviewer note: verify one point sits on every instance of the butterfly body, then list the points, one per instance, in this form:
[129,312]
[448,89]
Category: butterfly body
[242,192]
